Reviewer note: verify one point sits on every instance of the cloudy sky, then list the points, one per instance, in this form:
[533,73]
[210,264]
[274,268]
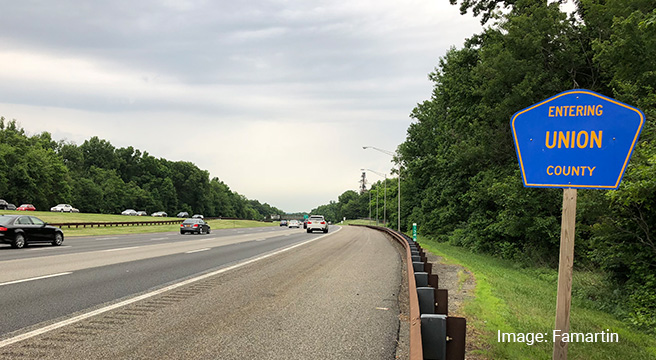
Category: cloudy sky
[274,97]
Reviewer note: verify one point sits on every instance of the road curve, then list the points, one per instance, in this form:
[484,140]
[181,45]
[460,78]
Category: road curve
[334,298]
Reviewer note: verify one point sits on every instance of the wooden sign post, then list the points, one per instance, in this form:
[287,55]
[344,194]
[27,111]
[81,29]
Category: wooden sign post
[565,270]
[577,139]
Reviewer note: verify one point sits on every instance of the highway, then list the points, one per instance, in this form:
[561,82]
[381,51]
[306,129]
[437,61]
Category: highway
[258,293]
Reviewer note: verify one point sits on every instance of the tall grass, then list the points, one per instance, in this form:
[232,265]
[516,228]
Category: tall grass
[514,299]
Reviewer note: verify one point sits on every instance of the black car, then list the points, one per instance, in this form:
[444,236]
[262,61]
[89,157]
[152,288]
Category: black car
[198,226]
[20,230]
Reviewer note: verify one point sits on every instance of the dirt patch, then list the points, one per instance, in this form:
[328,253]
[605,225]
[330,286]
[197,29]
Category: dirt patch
[455,278]
[461,284]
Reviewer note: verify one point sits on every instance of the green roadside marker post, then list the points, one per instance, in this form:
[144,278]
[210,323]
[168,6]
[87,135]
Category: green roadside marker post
[577,139]
[414,232]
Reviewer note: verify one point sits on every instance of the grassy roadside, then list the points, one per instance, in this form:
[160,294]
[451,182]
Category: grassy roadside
[519,300]
[361,222]
[54,217]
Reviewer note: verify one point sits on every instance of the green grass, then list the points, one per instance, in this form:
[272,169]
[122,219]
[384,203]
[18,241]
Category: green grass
[362,222]
[55,217]
[520,300]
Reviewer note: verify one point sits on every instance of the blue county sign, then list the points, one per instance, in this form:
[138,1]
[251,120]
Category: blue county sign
[576,139]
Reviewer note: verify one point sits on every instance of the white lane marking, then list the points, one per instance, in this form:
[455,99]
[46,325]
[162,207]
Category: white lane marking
[119,249]
[240,232]
[81,317]
[35,278]
[158,239]
[107,238]
[260,239]
[49,247]
[195,251]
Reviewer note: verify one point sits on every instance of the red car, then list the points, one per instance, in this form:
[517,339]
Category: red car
[26,207]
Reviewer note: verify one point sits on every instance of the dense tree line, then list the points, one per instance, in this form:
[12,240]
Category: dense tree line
[96,177]
[461,167]
[461,180]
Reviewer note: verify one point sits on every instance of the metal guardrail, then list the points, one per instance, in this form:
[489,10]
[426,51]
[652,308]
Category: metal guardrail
[415,347]
[433,334]
[115,223]
[130,223]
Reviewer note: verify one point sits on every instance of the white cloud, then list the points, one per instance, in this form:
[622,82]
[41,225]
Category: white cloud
[248,91]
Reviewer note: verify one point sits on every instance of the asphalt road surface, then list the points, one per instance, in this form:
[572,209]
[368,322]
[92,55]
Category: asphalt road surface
[257,294]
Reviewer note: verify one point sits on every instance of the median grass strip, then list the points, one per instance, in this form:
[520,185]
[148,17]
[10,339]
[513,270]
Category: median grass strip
[56,217]
[512,299]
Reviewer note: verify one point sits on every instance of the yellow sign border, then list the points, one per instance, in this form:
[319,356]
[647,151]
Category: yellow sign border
[626,161]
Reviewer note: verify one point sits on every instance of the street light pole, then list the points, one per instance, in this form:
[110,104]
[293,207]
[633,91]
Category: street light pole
[384,199]
[369,206]
[385,203]
[376,206]
[399,185]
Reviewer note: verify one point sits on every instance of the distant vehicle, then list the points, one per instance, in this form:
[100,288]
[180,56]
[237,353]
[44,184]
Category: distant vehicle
[26,207]
[183,214]
[198,226]
[198,216]
[142,213]
[3,204]
[64,208]
[294,224]
[11,207]
[317,222]
[305,224]
[159,214]
[283,222]
[21,230]
[130,212]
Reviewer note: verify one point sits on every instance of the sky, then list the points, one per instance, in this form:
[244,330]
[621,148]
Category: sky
[274,97]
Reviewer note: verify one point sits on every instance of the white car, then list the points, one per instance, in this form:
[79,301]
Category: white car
[64,208]
[130,212]
[294,224]
[317,222]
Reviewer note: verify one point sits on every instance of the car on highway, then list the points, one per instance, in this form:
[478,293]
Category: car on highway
[26,207]
[64,208]
[317,222]
[142,213]
[130,212]
[197,216]
[21,230]
[11,206]
[294,224]
[198,226]
[182,214]
[3,204]
[159,214]
[283,222]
